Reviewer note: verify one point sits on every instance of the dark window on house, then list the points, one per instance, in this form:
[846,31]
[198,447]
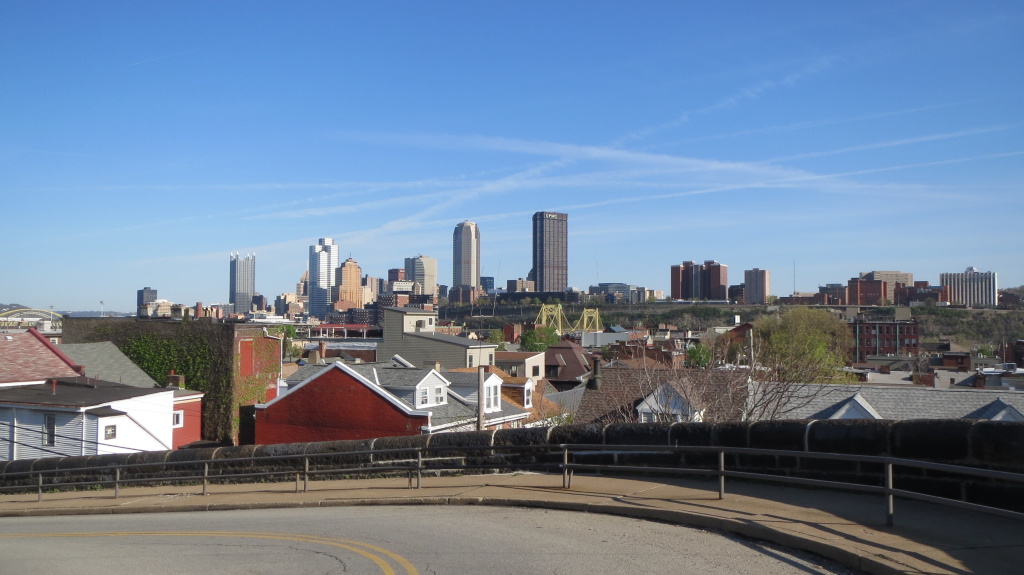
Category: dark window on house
[110,432]
[49,429]
[536,370]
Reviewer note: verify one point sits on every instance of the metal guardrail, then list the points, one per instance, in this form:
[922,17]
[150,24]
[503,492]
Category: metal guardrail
[417,460]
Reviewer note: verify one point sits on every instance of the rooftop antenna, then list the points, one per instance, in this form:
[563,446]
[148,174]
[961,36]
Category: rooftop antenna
[794,277]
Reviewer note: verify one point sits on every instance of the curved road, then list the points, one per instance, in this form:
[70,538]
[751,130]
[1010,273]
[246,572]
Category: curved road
[401,540]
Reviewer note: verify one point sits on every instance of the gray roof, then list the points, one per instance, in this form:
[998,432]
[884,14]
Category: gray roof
[906,402]
[568,400]
[104,361]
[73,392]
[453,340]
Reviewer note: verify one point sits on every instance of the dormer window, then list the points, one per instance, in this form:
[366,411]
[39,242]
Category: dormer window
[439,394]
[492,399]
[528,397]
[424,396]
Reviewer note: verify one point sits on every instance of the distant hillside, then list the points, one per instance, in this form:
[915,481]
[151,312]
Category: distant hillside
[971,327]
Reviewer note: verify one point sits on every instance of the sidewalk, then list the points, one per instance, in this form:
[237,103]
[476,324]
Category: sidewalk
[849,528]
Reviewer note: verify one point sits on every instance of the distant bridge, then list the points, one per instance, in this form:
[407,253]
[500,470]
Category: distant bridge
[29,317]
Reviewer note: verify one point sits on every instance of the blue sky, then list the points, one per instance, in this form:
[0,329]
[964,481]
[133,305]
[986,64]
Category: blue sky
[143,142]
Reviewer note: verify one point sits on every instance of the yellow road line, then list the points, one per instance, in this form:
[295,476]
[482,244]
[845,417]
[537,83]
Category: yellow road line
[350,545]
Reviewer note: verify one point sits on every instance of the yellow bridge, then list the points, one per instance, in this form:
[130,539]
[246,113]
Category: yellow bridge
[553,316]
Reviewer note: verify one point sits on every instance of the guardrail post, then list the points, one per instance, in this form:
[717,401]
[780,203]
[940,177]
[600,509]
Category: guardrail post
[206,476]
[305,474]
[565,468]
[889,507]
[39,482]
[117,482]
[419,467]
[721,475]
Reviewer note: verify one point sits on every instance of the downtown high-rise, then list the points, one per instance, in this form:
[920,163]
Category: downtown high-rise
[422,270]
[242,280]
[550,252]
[466,255]
[323,260]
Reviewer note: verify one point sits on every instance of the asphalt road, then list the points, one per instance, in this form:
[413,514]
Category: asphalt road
[389,540]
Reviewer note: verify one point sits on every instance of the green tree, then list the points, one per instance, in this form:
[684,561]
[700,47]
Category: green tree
[793,353]
[538,339]
[698,355]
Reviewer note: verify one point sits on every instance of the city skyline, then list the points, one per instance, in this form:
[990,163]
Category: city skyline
[141,143]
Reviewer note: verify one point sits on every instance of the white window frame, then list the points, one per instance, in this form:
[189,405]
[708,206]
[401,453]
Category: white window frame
[424,396]
[439,394]
[178,418]
[109,432]
[528,397]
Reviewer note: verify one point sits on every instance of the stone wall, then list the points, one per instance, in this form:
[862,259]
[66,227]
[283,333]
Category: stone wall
[980,444]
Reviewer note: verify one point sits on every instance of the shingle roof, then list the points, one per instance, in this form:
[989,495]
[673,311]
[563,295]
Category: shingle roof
[103,360]
[898,403]
[28,356]
[572,360]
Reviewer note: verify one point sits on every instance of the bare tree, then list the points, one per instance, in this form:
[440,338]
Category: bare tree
[784,363]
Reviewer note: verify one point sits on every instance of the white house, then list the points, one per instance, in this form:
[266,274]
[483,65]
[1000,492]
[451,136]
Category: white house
[84,416]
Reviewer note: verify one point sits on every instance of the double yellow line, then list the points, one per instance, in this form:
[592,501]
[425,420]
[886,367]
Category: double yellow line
[378,555]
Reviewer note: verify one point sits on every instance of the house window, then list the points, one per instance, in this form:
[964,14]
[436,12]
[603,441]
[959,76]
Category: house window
[110,432]
[178,419]
[424,396]
[439,394]
[490,359]
[528,401]
[49,429]
[489,389]
[470,361]
[536,370]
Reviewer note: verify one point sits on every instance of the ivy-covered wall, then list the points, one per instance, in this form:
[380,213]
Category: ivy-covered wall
[207,354]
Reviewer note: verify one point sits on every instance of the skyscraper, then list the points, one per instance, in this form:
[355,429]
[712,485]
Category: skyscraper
[422,270]
[757,286]
[323,260]
[242,282]
[466,255]
[550,251]
[349,280]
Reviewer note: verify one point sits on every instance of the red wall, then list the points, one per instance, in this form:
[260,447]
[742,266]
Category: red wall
[332,407]
[192,430]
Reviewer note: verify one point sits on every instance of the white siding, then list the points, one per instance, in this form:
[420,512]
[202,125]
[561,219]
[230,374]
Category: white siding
[29,433]
[149,425]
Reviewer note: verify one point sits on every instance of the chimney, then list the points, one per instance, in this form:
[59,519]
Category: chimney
[322,349]
[595,376]
[175,380]
[434,365]
[54,382]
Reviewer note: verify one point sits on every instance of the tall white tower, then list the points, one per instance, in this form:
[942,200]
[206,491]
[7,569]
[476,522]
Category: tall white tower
[323,260]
